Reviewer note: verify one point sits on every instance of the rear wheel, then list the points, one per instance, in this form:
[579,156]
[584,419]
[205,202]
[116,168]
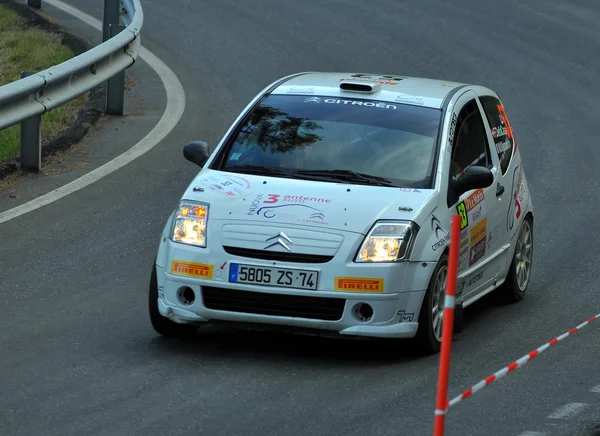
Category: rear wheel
[162,325]
[519,273]
[431,317]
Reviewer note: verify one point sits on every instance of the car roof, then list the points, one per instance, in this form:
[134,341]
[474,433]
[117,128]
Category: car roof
[389,88]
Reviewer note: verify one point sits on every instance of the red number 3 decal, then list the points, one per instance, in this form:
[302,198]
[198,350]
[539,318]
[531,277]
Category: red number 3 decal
[273,198]
[518,205]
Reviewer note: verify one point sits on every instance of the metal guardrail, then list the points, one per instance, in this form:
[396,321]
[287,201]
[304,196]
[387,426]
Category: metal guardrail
[26,100]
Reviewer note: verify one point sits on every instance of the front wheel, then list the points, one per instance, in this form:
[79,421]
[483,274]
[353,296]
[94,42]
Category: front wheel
[162,325]
[429,335]
[517,279]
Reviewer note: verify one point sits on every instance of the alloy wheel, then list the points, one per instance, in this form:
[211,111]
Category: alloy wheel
[524,254]
[437,299]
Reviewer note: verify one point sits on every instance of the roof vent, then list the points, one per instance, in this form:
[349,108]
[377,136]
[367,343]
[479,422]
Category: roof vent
[360,87]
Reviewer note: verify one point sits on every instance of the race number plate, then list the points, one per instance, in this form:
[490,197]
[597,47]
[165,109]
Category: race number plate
[267,276]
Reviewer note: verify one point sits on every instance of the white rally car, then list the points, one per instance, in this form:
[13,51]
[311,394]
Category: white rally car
[327,205]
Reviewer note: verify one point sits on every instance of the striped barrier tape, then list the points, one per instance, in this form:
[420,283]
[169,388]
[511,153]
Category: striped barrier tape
[481,156]
[516,364]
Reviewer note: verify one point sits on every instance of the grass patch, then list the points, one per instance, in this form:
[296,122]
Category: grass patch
[23,48]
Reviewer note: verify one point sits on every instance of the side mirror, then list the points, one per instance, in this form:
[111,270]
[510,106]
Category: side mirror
[474,177]
[196,152]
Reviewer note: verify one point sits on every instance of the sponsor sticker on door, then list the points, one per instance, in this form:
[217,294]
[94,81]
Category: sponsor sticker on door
[477,251]
[478,241]
[475,205]
[478,231]
[463,255]
[472,209]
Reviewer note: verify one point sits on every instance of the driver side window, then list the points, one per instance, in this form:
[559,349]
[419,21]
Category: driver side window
[470,146]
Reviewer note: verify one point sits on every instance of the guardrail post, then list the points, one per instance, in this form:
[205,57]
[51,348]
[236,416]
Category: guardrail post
[31,140]
[112,9]
[36,4]
[115,87]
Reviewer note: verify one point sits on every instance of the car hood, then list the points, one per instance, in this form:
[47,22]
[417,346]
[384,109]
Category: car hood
[275,200]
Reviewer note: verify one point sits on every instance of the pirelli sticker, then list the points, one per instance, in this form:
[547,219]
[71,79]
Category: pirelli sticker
[356,284]
[192,269]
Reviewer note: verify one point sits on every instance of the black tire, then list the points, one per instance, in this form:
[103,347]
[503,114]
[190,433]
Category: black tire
[425,338]
[510,291]
[162,325]
[459,319]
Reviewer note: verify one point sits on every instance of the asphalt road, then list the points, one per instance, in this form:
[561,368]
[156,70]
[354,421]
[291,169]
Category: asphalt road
[78,355]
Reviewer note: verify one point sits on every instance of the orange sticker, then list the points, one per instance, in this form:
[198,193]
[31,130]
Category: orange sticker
[355,284]
[191,269]
[505,119]
[474,199]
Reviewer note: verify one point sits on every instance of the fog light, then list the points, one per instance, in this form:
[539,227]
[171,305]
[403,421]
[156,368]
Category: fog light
[186,296]
[363,312]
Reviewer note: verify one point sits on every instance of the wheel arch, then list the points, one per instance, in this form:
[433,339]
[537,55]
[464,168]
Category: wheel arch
[446,252]
[530,215]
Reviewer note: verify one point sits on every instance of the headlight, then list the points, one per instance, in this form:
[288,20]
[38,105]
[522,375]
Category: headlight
[388,242]
[189,225]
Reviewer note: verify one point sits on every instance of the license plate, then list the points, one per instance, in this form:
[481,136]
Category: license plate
[267,276]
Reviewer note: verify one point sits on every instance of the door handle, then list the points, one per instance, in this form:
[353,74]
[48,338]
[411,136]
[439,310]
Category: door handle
[499,190]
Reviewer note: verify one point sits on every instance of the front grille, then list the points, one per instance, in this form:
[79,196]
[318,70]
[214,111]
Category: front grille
[230,300]
[277,255]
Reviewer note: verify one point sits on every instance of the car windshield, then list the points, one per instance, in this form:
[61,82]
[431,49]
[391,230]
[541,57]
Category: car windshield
[337,139]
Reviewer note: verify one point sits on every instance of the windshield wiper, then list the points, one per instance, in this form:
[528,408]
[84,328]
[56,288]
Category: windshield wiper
[263,170]
[349,176]
[257,169]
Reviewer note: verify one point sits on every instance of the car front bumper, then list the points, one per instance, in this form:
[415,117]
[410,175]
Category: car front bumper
[329,309]
[394,315]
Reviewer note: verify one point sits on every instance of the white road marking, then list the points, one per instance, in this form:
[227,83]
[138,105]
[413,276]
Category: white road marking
[532,433]
[170,118]
[596,389]
[568,410]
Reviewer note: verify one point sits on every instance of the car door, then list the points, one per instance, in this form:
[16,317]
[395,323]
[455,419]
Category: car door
[502,142]
[479,262]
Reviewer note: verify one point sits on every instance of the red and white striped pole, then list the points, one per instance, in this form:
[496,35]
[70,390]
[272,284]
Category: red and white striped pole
[442,394]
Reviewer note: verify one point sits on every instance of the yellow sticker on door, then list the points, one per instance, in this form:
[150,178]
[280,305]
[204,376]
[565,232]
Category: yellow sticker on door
[478,231]
[478,237]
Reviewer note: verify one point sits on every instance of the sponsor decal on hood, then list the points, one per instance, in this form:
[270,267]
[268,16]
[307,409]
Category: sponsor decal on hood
[257,198]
